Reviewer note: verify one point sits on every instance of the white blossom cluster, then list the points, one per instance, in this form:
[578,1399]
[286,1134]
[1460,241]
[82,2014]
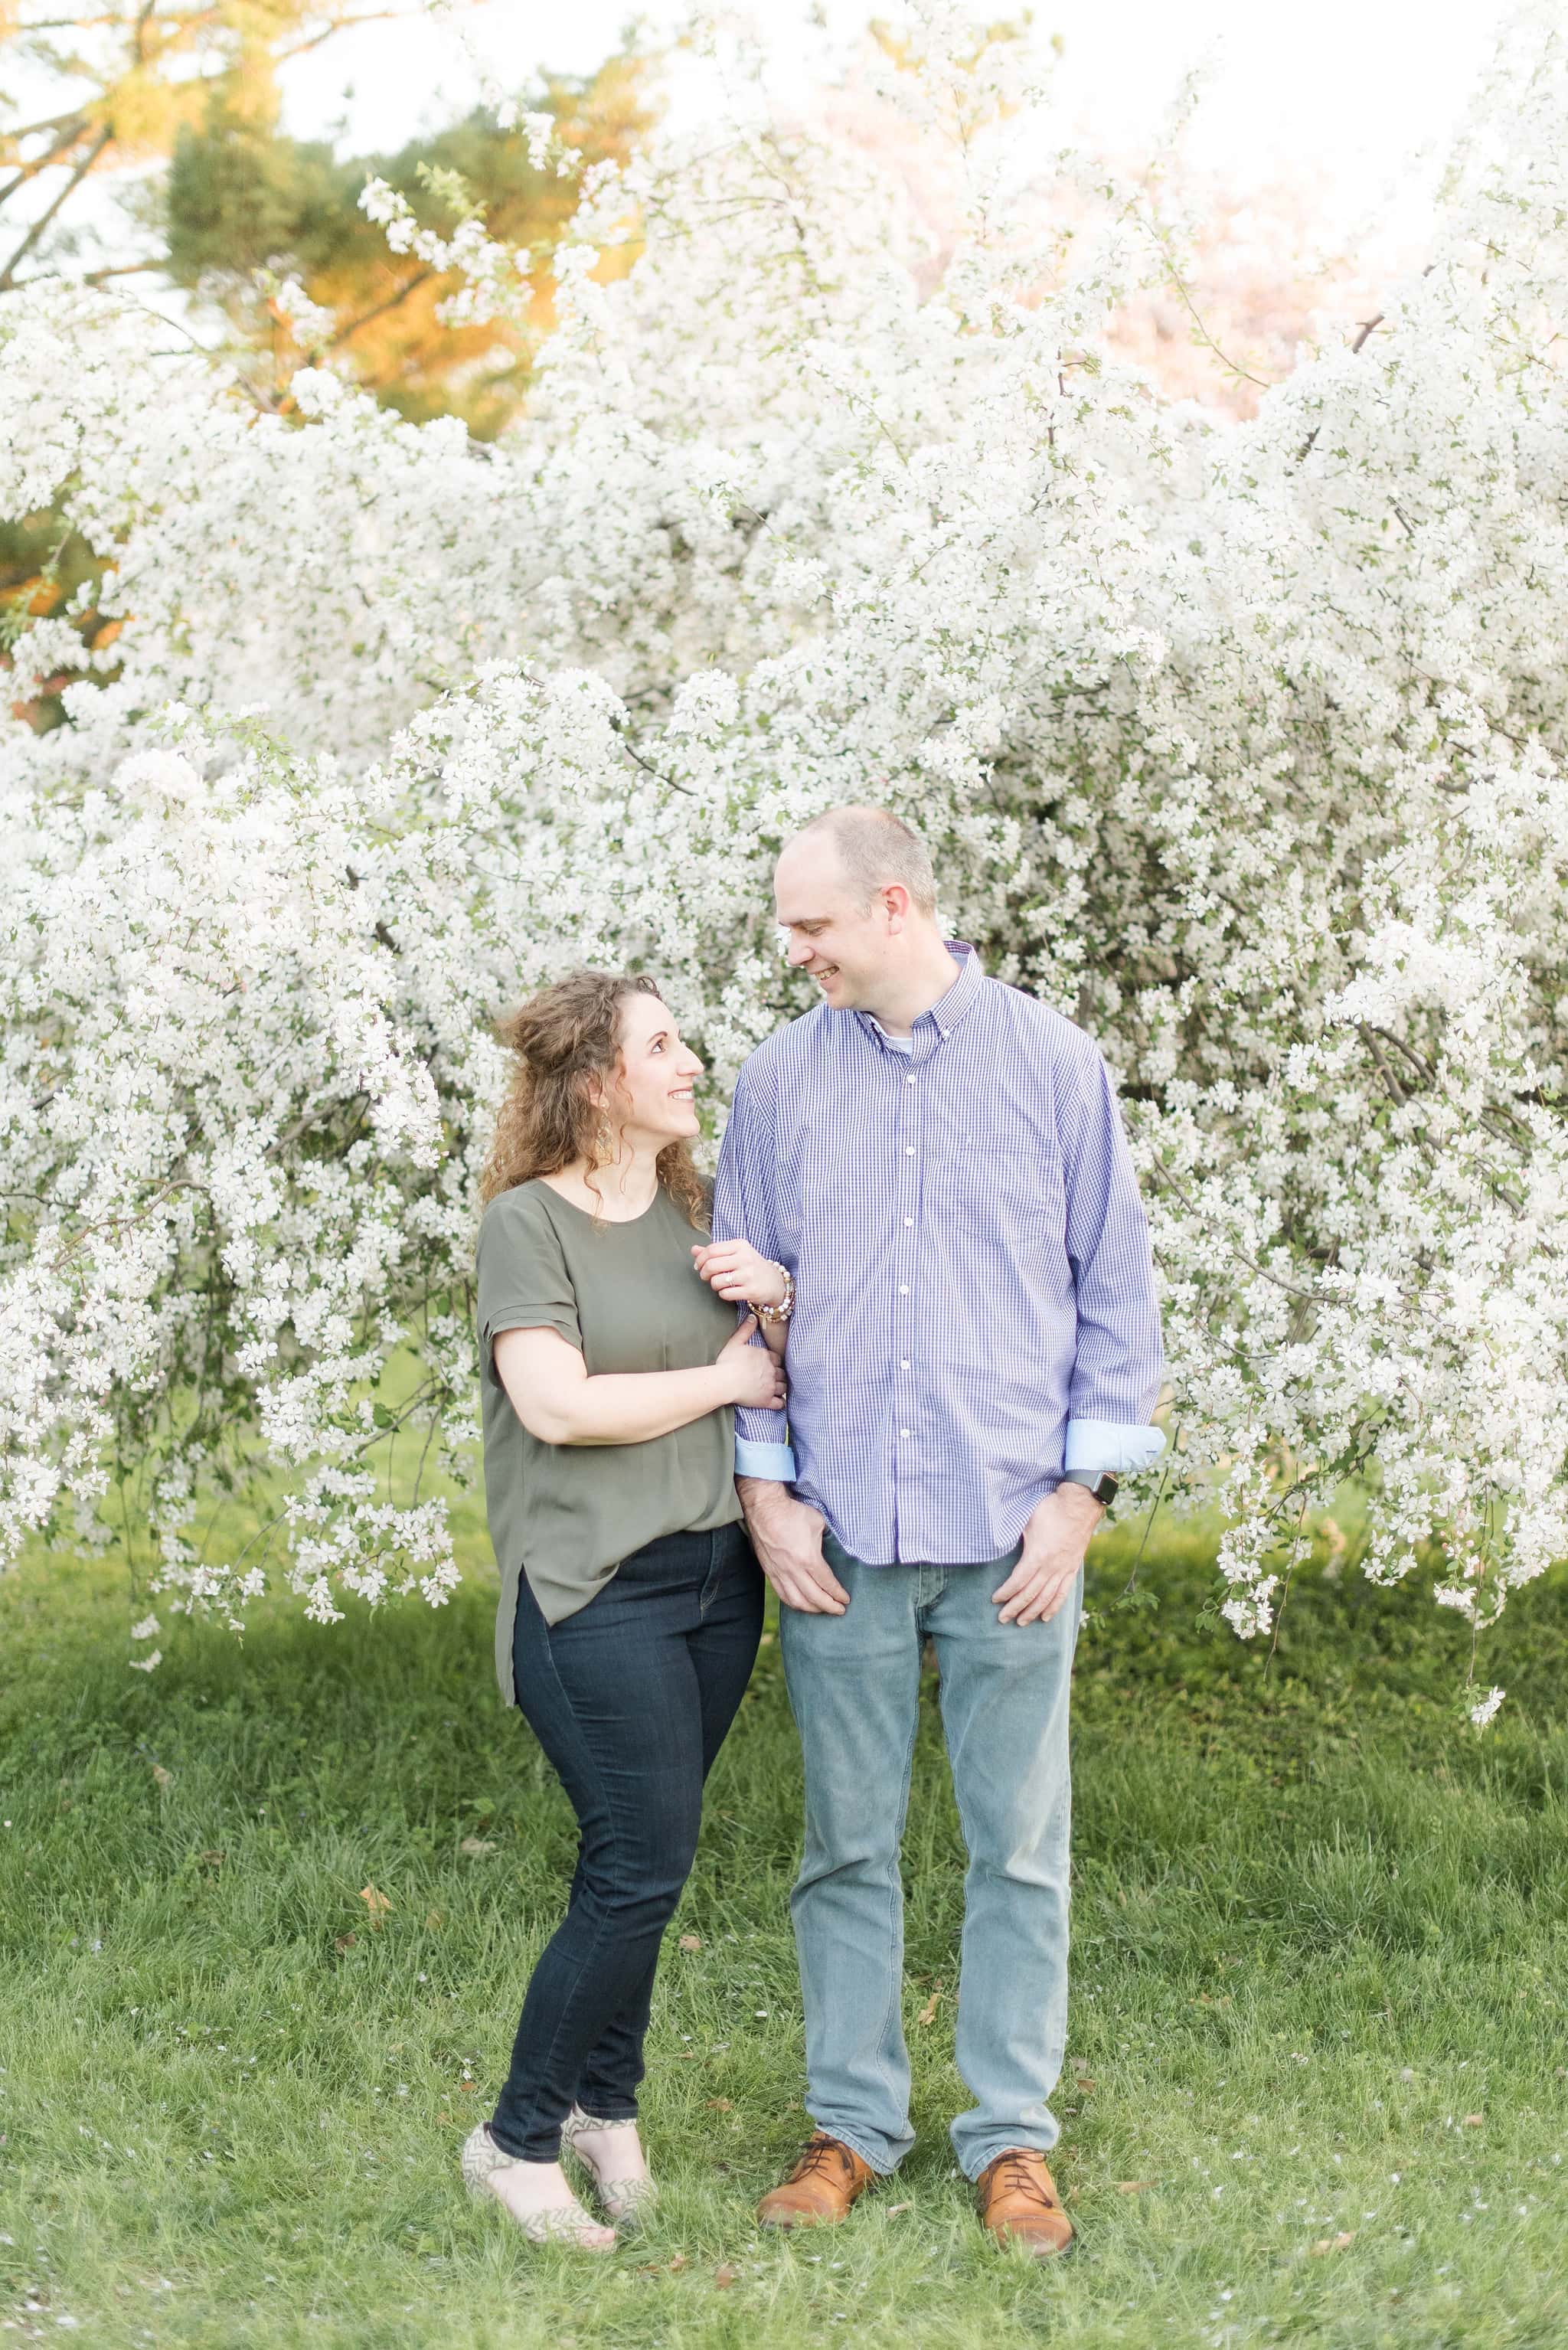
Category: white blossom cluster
[1242,743]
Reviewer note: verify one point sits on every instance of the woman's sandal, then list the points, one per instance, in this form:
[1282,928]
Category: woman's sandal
[568,2223]
[628,2201]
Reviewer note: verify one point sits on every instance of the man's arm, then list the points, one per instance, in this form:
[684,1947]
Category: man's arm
[787,1532]
[1054,1540]
[743,1209]
[787,1535]
[1116,1369]
[1119,1360]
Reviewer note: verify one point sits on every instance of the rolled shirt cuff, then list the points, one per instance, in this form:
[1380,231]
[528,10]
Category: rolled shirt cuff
[775,1460]
[1110,1444]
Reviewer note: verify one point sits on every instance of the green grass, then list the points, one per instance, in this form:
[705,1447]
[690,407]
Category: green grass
[1320,1968]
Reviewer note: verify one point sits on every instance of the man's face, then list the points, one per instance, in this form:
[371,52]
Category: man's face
[841,944]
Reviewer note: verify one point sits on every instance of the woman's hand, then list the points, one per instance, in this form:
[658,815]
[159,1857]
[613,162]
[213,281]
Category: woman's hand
[740,1272]
[759,1379]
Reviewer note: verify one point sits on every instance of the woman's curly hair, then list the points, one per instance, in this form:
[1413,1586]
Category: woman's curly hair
[562,1039]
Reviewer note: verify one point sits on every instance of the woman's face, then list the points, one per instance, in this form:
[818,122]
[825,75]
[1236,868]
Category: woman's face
[652,1098]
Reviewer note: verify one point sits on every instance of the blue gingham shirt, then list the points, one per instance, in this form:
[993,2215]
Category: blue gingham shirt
[974,1305]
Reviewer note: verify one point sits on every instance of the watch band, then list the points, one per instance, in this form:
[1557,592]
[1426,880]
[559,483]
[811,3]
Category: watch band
[1098,1482]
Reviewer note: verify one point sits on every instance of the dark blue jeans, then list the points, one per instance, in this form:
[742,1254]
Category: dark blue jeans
[630,1699]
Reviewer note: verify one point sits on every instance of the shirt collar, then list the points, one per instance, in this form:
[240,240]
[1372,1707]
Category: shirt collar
[944,1015]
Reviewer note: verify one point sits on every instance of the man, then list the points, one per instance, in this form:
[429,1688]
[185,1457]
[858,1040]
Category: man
[937,1161]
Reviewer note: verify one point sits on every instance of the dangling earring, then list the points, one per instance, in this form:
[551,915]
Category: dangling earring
[604,1141]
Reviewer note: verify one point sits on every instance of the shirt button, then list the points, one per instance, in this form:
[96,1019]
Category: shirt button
[903,1431]
[903,1366]
[903,1289]
[909,1149]
[908,1219]
[909,1081]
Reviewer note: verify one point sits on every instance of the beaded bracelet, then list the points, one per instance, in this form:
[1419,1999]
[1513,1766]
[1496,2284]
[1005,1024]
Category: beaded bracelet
[780,1313]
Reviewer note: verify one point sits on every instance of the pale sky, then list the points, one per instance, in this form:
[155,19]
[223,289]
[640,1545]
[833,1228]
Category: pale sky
[1360,95]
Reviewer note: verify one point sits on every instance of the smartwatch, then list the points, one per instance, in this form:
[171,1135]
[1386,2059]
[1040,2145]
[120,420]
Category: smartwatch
[1098,1482]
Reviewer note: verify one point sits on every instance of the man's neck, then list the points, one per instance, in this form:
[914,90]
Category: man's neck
[915,991]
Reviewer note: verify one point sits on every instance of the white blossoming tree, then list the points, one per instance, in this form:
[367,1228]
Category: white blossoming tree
[1240,742]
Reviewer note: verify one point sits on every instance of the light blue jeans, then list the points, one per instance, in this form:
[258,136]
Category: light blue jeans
[853,1687]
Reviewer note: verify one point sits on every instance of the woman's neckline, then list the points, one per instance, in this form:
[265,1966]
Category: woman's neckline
[612,1223]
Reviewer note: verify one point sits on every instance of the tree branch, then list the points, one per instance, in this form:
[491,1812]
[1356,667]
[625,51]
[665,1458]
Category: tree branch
[380,309]
[1368,327]
[8,276]
[28,168]
[654,772]
[348,22]
[1369,1038]
[1417,1061]
[1163,1175]
[120,269]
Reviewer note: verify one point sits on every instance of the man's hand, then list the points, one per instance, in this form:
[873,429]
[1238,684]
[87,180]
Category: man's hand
[787,1535]
[1054,1542]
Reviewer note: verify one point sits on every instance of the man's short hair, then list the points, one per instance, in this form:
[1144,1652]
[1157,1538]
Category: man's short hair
[875,847]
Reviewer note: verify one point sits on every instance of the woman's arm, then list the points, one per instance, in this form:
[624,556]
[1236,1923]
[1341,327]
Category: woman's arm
[734,1270]
[550,1391]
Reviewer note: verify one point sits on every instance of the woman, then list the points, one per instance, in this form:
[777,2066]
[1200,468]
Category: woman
[630,1602]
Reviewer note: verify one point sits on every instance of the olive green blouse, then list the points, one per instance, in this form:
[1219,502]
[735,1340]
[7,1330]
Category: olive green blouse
[629,1296]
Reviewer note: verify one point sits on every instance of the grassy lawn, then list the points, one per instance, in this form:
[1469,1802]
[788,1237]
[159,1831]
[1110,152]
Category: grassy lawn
[1318,2047]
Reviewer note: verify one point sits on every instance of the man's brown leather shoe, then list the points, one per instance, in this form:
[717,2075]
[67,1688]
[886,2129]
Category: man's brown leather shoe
[826,2181]
[1019,2203]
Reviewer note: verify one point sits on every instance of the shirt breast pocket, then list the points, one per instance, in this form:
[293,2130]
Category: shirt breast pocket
[1004,1190]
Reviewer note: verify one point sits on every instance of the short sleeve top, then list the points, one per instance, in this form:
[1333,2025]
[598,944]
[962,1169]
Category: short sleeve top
[629,1298]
